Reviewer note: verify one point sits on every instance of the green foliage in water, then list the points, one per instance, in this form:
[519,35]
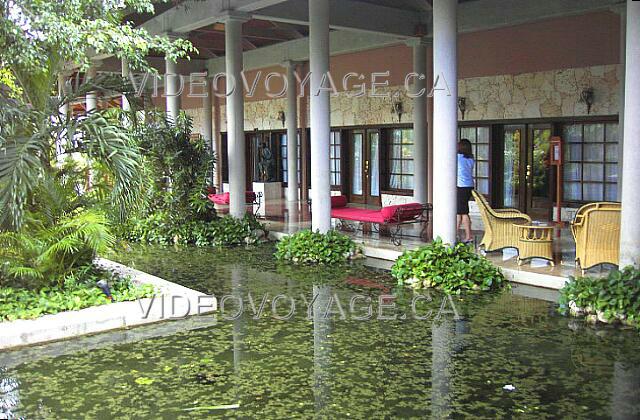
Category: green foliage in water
[307,247]
[607,299]
[163,228]
[78,291]
[451,269]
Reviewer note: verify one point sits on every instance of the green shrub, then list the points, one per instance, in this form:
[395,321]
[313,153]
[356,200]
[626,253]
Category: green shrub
[307,247]
[42,253]
[607,299]
[451,269]
[161,228]
[78,291]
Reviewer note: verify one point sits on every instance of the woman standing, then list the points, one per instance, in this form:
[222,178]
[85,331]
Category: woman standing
[465,185]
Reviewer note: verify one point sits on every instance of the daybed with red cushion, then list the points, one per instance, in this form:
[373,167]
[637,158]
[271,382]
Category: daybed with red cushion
[395,216]
[251,198]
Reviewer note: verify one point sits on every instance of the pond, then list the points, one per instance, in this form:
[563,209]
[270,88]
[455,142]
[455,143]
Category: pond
[335,344]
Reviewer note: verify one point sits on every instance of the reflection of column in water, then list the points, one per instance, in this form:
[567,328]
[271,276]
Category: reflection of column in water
[293,214]
[321,347]
[237,289]
[9,394]
[625,399]
[442,336]
[448,337]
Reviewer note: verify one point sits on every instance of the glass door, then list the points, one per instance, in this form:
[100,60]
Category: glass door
[527,182]
[511,188]
[538,173]
[365,167]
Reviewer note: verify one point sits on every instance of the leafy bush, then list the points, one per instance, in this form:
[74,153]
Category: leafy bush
[177,167]
[42,253]
[161,228]
[607,299]
[78,291]
[307,247]
[451,269]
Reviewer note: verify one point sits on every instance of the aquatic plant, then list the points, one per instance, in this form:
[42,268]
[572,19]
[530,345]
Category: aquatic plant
[610,299]
[307,247]
[451,269]
[164,228]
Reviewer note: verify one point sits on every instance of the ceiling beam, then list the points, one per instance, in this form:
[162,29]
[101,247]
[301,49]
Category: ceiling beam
[491,14]
[351,15]
[341,42]
[195,14]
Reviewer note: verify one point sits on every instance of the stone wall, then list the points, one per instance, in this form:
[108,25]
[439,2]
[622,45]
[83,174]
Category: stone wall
[529,95]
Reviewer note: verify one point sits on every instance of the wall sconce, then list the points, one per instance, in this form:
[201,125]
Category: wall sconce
[398,109]
[462,105]
[282,117]
[587,96]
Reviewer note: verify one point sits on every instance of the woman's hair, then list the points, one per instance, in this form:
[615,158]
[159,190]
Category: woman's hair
[464,147]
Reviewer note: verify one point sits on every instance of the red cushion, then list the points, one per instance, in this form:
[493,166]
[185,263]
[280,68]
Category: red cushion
[358,215]
[338,201]
[409,211]
[223,199]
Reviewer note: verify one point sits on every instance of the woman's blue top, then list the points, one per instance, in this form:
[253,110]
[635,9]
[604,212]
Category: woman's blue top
[465,171]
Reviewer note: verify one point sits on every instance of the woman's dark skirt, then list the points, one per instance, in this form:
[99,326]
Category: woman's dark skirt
[464,195]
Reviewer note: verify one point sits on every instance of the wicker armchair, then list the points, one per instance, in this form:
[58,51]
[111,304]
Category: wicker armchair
[596,230]
[500,230]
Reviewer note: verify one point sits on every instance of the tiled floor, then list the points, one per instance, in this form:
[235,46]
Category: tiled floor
[286,218]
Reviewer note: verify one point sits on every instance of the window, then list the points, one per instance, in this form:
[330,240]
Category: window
[479,138]
[590,168]
[334,167]
[401,159]
[283,158]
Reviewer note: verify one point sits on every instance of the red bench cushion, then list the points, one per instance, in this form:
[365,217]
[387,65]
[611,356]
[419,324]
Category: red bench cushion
[358,215]
[223,199]
[338,201]
[394,213]
[389,214]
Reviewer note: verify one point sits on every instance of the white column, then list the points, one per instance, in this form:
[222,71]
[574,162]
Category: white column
[630,228]
[235,115]
[126,106]
[292,133]
[420,167]
[91,99]
[445,119]
[171,89]
[320,123]
[207,124]
[207,105]
[623,49]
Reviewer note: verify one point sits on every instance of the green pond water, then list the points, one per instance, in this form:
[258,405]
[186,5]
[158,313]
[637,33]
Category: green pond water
[447,358]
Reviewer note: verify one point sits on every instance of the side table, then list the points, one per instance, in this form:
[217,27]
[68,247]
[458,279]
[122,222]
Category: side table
[535,241]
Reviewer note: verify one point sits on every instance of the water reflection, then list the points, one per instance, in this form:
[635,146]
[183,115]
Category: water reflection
[9,394]
[454,364]
[321,347]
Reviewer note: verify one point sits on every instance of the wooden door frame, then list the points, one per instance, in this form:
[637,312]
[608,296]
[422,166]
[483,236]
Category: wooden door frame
[529,186]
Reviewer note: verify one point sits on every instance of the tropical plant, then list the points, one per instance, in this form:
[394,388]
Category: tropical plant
[163,228]
[32,31]
[307,247]
[177,165]
[75,292]
[452,269]
[33,145]
[613,298]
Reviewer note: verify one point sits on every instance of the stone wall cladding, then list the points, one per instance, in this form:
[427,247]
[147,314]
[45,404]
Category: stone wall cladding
[547,94]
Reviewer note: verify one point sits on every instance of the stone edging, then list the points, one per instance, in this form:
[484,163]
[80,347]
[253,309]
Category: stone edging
[174,302]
